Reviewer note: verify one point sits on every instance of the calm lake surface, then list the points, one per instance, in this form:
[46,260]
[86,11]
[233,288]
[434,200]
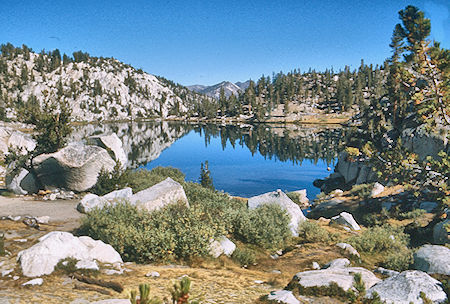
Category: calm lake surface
[244,160]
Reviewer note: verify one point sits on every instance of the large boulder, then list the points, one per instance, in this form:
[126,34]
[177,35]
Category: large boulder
[423,142]
[22,183]
[160,195]
[405,288]
[91,201]
[354,171]
[281,199]
[433,259]
[441,232]
[345,219]
[41,258]
[75,167]
[112,144]
[342,276]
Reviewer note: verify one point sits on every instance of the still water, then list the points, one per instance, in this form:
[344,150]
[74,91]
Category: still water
[244,160]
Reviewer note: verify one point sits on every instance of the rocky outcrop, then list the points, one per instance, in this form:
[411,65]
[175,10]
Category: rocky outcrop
[423,142]
[22,183]
[160,195]
[432,259]
[41,258]
[281,199]
[91,201]
[405,288]
[112,144]
[342,276]
[221,245]
[345,219]
[354,171]
[75,167]
[441,232]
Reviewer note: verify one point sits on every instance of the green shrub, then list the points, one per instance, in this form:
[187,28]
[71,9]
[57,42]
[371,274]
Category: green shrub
[414,214]
[380,239]
[221,210]
[265,226]
[244,257]
[173,232]
[362,190]
[398,260]
[311,232]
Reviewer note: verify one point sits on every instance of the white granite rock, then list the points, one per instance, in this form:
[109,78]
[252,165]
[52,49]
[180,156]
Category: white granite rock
[342,276]
[34,282]
[345,219]
[432,259]
[160,195]
[41,258]
[405,288]
[283,296]
[91,201]
[75,167]
[337,263]
[221,246]
[377,189]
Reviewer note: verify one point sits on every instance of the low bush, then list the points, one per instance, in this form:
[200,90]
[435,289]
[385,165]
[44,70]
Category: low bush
[174,232]
[244,257]
[266,226]
[380,239]
[362,190]
[222,211]
[398,260]
[413,214]
[311,232]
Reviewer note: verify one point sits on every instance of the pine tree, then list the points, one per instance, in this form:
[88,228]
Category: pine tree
[205,176]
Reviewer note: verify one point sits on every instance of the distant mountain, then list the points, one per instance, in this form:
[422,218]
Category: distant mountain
[243,85]
[214,90]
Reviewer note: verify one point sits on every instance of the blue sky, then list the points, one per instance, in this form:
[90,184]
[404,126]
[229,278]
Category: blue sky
[205,42]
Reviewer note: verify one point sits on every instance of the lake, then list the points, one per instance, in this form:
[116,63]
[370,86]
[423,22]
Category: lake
[244,160]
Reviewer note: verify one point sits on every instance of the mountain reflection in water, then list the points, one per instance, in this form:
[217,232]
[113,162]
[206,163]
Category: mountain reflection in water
[244,160]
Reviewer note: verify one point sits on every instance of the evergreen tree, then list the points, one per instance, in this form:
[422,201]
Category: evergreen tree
[205,176]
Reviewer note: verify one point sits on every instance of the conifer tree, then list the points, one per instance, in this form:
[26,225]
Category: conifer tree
[205,176]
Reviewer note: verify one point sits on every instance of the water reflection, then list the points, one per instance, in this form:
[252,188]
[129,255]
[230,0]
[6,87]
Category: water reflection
[244,159]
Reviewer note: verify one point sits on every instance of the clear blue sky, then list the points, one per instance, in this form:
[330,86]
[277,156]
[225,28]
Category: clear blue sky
[205,42]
